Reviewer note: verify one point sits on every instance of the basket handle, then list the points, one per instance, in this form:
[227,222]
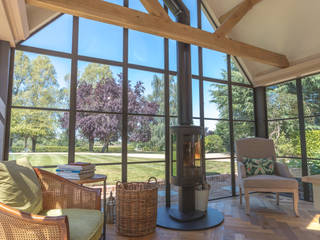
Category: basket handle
[118,184]
[156,181]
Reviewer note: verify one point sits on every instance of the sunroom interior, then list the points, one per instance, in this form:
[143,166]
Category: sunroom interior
[102,82]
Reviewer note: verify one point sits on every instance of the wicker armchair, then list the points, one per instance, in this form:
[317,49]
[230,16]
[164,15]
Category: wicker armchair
[57,193]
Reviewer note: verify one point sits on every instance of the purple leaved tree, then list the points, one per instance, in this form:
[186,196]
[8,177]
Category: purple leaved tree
[106,96]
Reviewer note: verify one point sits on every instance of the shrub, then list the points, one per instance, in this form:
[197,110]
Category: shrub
[214,143]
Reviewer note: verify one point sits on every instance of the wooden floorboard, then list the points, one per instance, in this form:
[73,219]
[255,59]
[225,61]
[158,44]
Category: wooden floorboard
[267,221]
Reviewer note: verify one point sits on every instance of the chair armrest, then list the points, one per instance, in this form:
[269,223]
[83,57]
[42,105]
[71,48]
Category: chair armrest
[282,170]
[241,170]
[15,225]
[59,192]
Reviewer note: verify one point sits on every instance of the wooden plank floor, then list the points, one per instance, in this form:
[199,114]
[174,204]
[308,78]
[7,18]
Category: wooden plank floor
[267,221]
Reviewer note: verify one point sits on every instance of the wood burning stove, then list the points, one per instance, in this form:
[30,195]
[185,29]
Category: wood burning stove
[186,169]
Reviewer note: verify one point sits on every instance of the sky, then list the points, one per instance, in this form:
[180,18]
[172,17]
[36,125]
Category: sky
[104,41]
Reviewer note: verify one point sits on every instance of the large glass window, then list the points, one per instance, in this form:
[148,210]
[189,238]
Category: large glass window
[106,117]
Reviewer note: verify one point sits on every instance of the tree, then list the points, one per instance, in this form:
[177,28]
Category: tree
[95,73]
[214,144]
[99,91]
[35,85]
[242,107]
[157,126]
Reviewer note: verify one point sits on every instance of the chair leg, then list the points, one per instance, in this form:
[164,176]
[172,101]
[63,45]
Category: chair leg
[278,200]
[240,192]
[295,202]
[246,195]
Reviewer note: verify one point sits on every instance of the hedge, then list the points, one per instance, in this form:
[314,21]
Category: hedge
[112,149]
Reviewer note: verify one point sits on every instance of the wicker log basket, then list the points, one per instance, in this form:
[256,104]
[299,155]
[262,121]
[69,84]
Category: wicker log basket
[136,205]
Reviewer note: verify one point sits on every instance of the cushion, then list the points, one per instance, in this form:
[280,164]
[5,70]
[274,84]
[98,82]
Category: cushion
[19,186]
[270,181]
[258,166]
[84,224]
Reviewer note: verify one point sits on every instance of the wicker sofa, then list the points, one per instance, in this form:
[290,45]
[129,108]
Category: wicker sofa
[68,211]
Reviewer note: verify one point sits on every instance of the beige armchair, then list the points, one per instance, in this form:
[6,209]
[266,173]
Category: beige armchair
[282,181]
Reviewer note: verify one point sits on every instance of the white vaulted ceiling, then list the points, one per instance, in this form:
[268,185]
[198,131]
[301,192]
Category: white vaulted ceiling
[288,27]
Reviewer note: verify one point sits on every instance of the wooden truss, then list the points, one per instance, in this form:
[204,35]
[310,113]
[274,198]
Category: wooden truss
[157,22]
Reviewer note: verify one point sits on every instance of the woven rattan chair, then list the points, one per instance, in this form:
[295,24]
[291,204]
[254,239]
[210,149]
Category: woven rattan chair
[282,181]
[58,193]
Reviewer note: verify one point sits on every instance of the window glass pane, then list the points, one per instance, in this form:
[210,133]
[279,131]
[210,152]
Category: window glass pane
[41,81]
[286,137]
[214,64]
[137,5]
[313,137]
[47,37]
[196,121]
[98,138]
[113,173]
[282,101]
[146,92]
[219,177]
[172,55]
[215,100]
[195,98]
[173,121]
[205,24]
[40,136]
[173,18]
[236,74]
[194,60]
[242,103]
[314,167]
[100,40]
[294,165]
[146,138]
[99,87]
[243,130]
[142,172]
[217,139]
[192,7]
[311,94]
[173,98]
[118,2]
[146,49]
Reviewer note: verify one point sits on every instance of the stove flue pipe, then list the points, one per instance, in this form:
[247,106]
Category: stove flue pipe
[183,64]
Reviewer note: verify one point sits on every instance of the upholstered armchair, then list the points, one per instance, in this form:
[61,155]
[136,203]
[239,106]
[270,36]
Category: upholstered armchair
[66,211]
[281,181]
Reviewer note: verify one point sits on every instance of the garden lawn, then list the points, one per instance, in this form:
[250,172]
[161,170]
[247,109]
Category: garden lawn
[136,171]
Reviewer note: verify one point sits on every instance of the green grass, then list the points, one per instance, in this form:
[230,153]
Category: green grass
[136,172]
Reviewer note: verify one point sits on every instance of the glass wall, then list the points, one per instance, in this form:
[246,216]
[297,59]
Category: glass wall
[100,96]
[295,149]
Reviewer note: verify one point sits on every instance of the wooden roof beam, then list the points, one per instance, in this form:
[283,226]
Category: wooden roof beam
[155,8]
[232,17]
[128,18]
[224,17]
